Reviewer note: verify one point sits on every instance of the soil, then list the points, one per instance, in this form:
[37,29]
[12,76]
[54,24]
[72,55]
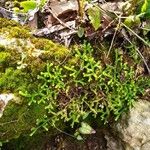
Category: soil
[60,142]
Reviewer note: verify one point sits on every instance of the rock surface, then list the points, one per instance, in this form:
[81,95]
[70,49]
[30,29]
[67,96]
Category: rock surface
[134,128]
[4,99]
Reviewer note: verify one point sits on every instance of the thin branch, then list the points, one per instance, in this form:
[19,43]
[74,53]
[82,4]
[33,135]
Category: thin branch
[140,55]
[108,26]
[64,132]
[112,42]
[61,22]
[146,43]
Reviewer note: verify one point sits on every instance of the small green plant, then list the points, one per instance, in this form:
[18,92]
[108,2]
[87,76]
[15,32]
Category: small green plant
[29,5]
[146,8]
[77,90]
[84,129]
[135,15]
[94,14]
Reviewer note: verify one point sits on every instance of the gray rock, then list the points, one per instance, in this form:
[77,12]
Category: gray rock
[4,99]
[134,128]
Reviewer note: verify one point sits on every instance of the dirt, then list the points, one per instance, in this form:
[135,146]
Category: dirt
[64,142]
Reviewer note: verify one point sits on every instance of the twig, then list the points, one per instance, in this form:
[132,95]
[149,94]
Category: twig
[55,16]
[148,69]
[109,25]
[146,43]
[146,29]
[10,122]
[64,132]
[112,42]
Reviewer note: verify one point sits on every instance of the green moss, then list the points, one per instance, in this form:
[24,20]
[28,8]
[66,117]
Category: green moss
[35,66]
[13,80]
[73,61]
[8,23]
[15,32]
[4,57]
[19,55]
[19,119]
[2,48]
[12,29]
[51,49]
[19,69]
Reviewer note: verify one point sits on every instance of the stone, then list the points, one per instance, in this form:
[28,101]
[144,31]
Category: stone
[134,128]
[4,99]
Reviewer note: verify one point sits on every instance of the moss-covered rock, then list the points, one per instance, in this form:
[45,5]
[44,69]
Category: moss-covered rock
[22,55]
[8,23]
[22,58]
[18,118]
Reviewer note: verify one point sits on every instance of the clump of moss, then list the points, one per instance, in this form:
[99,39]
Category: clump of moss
[8,23]
[18,119]
[4,56]
[51,49]
[15,32]
[13,29]
[27,56]
[13,80]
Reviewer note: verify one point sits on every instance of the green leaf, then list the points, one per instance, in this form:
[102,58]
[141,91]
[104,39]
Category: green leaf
[146,8]
[42,3]
[86,129]
[80,32]
[94,14]
[79,138]
[132,20]
[28,5]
